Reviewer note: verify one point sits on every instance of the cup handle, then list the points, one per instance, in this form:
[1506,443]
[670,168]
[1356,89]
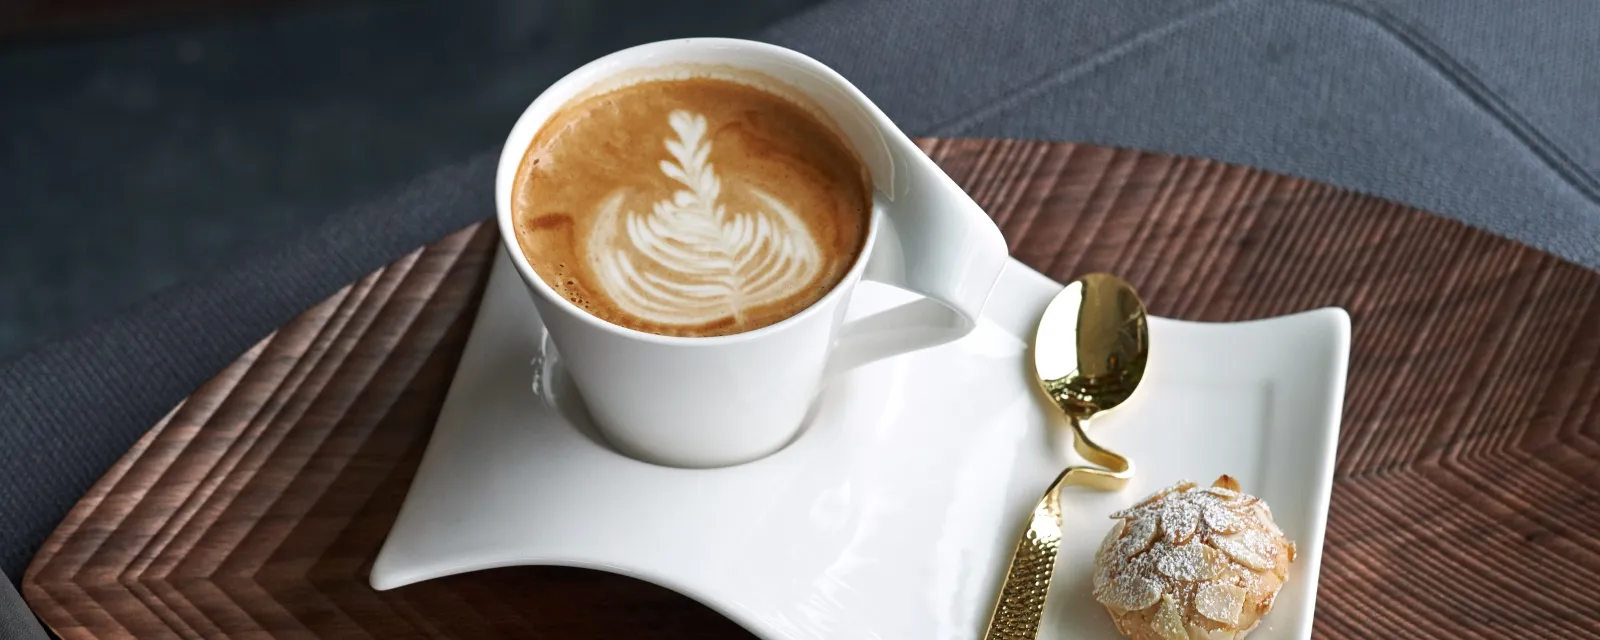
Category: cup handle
[936,242]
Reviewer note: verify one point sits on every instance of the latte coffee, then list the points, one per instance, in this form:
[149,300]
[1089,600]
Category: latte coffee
[690,206]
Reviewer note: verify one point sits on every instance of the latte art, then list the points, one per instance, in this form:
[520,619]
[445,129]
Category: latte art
[690,261]
[690,207]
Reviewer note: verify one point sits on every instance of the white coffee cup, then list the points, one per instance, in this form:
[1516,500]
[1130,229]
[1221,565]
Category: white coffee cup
[716,401]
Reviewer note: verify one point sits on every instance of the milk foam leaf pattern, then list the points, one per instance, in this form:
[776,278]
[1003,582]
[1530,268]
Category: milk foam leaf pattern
[690,261]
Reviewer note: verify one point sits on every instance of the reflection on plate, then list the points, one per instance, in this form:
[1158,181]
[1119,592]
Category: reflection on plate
[894,512]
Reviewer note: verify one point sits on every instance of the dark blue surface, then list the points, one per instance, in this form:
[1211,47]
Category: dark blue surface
[134,161]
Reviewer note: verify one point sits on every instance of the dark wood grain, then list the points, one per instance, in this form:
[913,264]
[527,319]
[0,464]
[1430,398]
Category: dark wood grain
[1466,504]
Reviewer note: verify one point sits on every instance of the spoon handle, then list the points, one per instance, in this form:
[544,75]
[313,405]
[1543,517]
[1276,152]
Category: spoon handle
[1020,607]
[1021,603]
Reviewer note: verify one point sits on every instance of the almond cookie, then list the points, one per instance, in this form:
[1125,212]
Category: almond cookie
[1192,563]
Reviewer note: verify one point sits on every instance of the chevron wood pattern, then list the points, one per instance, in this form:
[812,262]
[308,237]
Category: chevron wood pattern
[1467,500]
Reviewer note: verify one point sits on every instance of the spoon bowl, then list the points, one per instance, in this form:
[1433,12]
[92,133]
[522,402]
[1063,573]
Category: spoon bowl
[1089,356]
[1092,346]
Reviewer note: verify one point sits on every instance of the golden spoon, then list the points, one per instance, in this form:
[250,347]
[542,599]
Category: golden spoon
[1089,354]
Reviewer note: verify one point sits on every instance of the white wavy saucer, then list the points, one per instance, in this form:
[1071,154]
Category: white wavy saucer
[893,514]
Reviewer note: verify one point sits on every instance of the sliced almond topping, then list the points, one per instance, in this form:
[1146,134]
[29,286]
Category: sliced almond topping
[1219,601]
[1264,515]
[1197,632]
[1110,541]
[1221,519]
[1102,575]
[1129,592]
[1153,498]
[1224,493]
[1159,495]
[1137,537]
[1226,482]
[1169,621]
[1179,522]
[1190,563]
[1239,547]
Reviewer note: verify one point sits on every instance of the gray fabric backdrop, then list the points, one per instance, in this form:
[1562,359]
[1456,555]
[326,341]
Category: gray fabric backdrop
[1480,110]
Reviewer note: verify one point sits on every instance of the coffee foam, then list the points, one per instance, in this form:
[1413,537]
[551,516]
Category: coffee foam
[703,71]
[694,202]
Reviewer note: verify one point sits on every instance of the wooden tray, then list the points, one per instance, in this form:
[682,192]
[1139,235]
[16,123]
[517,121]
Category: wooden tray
[1467,500]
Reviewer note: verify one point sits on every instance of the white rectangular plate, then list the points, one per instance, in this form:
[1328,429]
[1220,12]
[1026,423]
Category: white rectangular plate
[894,514]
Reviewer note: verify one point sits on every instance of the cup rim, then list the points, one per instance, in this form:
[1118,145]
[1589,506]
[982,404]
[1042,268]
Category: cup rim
[573,84]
